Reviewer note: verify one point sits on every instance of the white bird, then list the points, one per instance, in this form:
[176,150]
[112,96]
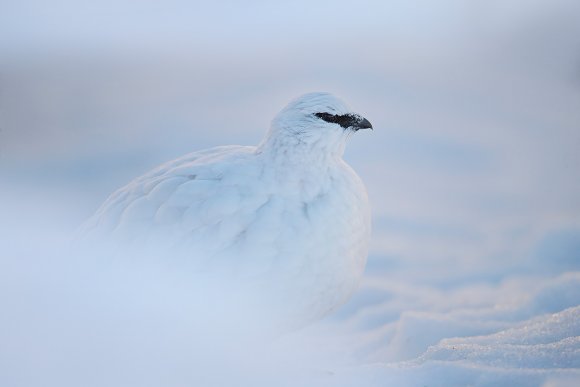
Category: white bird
[288,213]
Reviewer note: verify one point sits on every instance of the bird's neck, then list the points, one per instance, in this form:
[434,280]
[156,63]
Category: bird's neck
[295,146]
[294,153]
[298,167]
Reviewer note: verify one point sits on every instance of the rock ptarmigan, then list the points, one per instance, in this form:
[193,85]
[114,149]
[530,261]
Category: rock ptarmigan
[289,214]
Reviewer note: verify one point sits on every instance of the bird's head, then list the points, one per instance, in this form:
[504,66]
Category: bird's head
[315,122]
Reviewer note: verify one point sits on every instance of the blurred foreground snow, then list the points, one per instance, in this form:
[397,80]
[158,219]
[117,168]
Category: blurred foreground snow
[70,318]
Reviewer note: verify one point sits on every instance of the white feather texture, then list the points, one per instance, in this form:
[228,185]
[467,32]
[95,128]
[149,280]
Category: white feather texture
[289,215]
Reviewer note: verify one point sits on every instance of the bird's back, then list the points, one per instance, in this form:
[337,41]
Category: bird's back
[161,198]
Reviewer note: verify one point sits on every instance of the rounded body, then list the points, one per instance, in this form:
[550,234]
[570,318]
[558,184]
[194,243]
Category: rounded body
[287,220]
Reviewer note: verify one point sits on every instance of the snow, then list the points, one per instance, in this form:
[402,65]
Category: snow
[70,318]
[472,174]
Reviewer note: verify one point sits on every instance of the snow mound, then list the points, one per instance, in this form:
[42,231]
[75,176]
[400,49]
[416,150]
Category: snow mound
[551,341]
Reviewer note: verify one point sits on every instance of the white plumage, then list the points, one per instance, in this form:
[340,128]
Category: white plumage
[288,214]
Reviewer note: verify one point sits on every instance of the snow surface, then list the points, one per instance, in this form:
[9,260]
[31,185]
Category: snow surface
[472,173]
[69,320]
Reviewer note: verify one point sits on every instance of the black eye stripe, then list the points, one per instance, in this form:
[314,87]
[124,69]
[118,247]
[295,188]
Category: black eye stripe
[345,120]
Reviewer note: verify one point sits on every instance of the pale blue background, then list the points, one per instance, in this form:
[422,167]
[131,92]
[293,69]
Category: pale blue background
[473,171]
[473,167]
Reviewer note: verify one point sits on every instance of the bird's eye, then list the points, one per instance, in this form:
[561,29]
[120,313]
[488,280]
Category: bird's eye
[345,120]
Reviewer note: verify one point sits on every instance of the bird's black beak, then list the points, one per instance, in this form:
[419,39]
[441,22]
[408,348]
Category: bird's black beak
[347,121]
[363,124]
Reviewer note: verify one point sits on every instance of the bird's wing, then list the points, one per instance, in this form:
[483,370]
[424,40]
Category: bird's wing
[173,196]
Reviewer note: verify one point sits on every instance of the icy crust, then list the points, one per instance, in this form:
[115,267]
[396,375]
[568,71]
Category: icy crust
[523,332]
[551,341]
[543,351]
